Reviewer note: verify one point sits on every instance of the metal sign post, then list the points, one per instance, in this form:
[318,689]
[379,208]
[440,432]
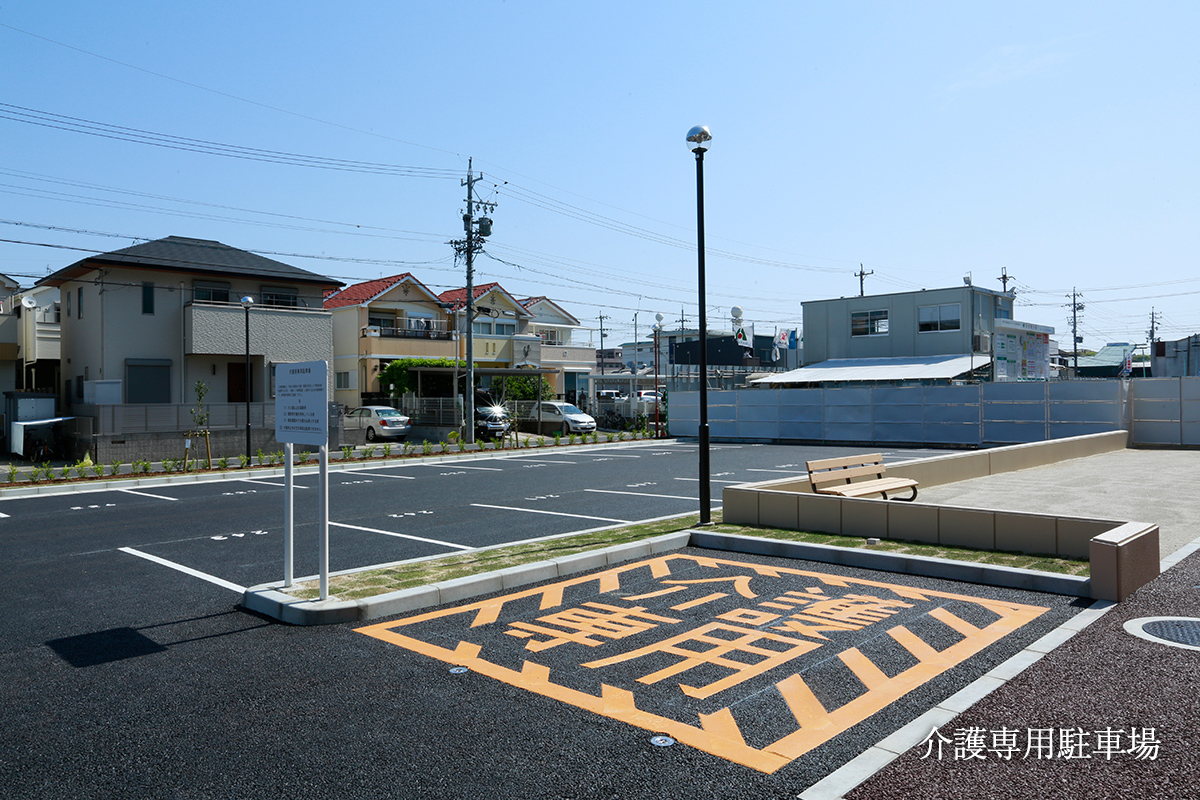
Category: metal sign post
[302,417]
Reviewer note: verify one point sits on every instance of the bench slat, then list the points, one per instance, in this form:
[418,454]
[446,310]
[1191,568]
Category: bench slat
[847,474]
[844,461]
[837,476]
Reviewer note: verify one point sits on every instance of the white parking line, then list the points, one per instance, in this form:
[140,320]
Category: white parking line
[786,471]
[269,483]
[552,513]
[147,494]
[456,465]
[645,494]
[381,475]
[402,536]
[525,460]
[186,570]
[710,480]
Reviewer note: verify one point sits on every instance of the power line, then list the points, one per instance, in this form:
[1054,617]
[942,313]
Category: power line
[47,119]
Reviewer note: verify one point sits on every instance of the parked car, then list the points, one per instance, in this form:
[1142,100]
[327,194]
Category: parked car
[567,417]
[491,418]
[380,422]
[649,397]
[609,394]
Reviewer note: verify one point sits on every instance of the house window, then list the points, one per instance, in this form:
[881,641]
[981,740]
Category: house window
[484,328]
[506,328]
[385,321]
[939,318]
[869,323]
[419,322]
[57,313]
[147,297]
[210,291]
[68,303]
[341,380]
[79,303]
[147,380]
[280,297]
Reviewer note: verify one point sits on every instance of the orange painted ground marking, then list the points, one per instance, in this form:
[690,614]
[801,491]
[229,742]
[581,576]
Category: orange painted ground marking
[699,601]
[741,644]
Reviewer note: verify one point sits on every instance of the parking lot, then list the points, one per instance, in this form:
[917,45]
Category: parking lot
[126,651]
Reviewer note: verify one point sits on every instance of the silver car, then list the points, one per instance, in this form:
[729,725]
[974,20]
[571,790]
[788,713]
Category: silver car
[380,422]
[569,418]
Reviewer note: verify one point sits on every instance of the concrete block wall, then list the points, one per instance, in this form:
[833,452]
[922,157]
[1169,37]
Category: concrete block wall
[1123,557]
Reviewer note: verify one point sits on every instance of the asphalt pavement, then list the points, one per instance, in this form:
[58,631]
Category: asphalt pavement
[127,678]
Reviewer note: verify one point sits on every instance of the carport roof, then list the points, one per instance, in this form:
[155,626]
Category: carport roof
[905,368]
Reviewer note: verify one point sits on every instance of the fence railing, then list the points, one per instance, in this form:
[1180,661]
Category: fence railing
[168,417]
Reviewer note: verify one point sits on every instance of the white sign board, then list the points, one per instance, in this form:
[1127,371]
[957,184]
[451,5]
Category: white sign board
[301,402]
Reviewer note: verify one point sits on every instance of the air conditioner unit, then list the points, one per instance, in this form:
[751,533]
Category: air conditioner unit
[982,343]
[371,330]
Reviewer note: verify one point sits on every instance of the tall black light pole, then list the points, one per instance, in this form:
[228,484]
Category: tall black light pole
[697,141]
[248,301]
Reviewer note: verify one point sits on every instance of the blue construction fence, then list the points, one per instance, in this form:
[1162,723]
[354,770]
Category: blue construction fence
[1159,411]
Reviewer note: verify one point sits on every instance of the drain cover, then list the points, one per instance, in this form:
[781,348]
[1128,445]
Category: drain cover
[458,670]
[661,741]
[1180,631]
[1174,631]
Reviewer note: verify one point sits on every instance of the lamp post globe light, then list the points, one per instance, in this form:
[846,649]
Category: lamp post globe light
[247,302]
[698,139]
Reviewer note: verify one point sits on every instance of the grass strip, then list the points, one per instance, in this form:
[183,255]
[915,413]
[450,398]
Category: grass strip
[357,585]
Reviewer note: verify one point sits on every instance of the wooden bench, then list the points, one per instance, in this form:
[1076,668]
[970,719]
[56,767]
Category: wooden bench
[856,476]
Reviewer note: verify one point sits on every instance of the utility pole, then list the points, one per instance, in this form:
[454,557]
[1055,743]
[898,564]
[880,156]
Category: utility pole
[602,318]
[476,231]
[861,275]
[1005,278]
[1076,307]
[1153,324]
[633,368]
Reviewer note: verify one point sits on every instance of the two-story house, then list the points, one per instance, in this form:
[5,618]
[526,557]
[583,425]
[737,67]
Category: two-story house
[570,359]
[38,338]
[142,325]
[500,331]
[379,321]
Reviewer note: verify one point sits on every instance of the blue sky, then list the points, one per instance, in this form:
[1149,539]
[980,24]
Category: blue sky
[924,140]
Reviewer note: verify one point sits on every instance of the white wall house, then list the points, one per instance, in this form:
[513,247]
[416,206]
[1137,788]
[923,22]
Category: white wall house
[160,316]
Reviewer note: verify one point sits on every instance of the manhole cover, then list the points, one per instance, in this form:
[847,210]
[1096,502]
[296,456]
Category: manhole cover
[661,741]
[458,670]
[1174,631]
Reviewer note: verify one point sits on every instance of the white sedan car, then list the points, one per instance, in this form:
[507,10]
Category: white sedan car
[567,417]
[380,422]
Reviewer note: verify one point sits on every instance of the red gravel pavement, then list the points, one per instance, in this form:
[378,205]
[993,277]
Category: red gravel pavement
[1104,680]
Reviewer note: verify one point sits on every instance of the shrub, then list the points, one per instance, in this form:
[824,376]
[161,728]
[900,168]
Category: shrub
[12,473]
[387,450]
[347,452]
[244,459]
[557,437]
[223,462]
[305,455]
[369,451]
[426,447]
[115,466]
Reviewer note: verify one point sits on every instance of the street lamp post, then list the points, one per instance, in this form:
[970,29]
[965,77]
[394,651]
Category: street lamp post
[657,399]
[248,301]
[698,139]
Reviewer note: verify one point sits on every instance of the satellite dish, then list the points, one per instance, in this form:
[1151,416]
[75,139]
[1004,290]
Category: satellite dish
[28,302]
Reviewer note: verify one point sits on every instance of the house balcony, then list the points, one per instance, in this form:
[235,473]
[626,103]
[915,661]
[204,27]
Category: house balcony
[412,329]
[556,355]
[216,328]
